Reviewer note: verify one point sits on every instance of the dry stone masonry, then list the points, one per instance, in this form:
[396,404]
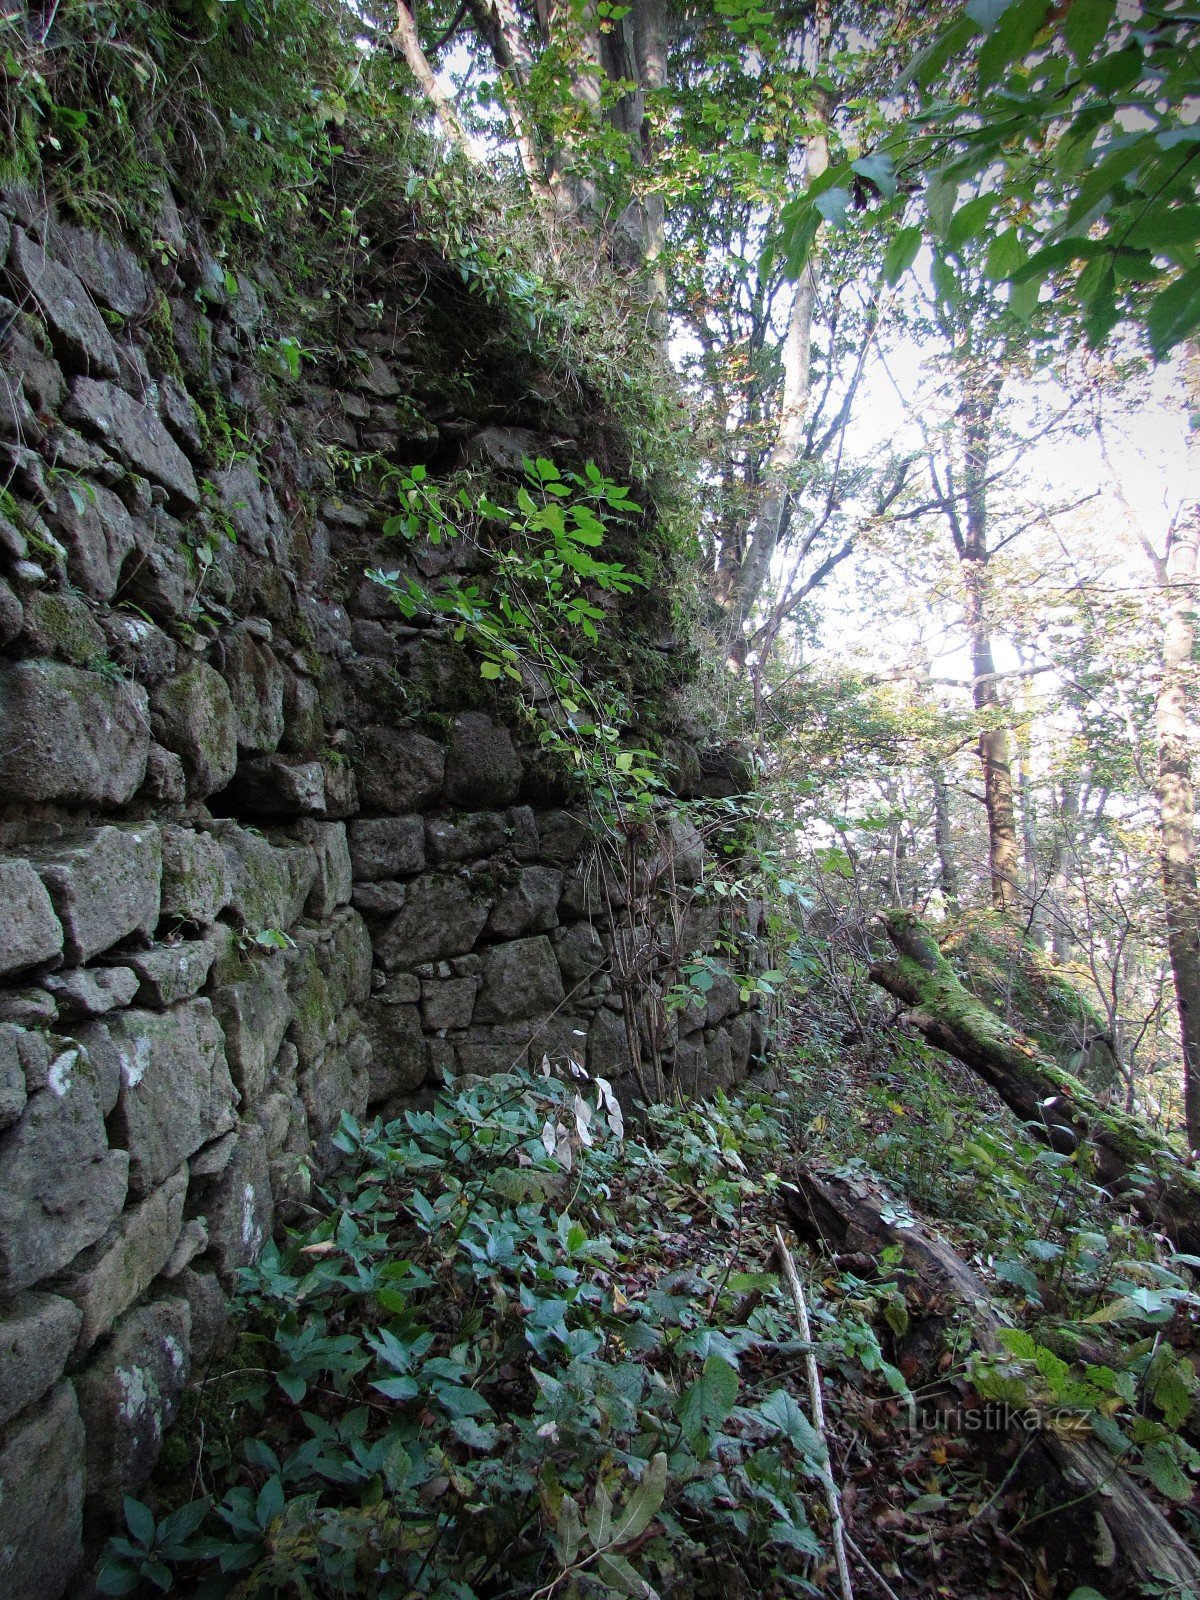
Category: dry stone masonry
[266,853]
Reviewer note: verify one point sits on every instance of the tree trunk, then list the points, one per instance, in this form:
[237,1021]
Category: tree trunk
[1176,805]
[1029,838]
[981,391]
[1055,1106]
[739,587]
[1004,853]
[406,39]
[1061,940]
[847,1216]
[943,842]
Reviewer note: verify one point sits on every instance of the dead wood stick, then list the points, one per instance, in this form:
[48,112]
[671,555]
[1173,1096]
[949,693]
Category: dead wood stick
[813,1372]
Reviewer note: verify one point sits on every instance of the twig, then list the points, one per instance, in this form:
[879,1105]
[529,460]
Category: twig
[872,1569]
[838,1527]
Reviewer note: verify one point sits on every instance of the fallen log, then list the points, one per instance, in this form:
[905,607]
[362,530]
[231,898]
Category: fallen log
[1131,1159]
[1081,1480]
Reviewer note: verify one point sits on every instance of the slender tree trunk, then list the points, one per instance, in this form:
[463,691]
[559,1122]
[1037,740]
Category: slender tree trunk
[1176,805]
[408,42]
[498,23]
[981,391]
[1004,854]
[739,586]
[1068,818]
[947,871]
[1029,840]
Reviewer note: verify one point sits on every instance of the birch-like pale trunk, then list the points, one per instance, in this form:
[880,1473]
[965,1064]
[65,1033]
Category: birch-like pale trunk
[407,40]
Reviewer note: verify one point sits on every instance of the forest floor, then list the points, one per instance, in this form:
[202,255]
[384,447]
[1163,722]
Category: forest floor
[528,1352]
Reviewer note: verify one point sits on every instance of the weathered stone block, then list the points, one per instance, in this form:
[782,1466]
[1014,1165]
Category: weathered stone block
[99,534]
[724,998]
[171,972]
[70,735]
[139,648]
[105,884]
[348,959]
[397,1050]
[133,433]
[386,847]
[92,991]
[254,1015]
[195,876]
[210,1309]
[105,1280]
[13,1093]
[29,930]
[441,917]
[337,1083]
[607,1046]
[41,1500]
[562,837]
[720,1058]
[176,1091]
[379,899]
[160,581]
[681,856]
[194,716]
[177,410]
[81,340]
[303,720]
[238,1206]
[691,1065]
[268,885]
[530,905]
[482,768]
[448,1002]
[524,839]
[580,951]
[28,1008]
[488,1050]
[521,979]
[277,786]
[60,1184]
[401,770]
[341,789]
[129,1396]
[12,615]
[334,880]
[110,270]
[256,685]
[741,1032]
[465,838]
[37,1335]
[61,624]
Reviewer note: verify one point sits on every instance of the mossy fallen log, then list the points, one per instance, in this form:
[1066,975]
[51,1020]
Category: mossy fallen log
[1072,1479]
[1130,1157]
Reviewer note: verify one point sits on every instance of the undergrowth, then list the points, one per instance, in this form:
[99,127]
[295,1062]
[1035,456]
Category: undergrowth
[521,1353]
[1104,1314]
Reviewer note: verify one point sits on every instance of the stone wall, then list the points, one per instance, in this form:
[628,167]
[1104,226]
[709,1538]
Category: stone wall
[267,853]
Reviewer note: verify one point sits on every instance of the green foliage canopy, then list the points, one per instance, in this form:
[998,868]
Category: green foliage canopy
[1063,136]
